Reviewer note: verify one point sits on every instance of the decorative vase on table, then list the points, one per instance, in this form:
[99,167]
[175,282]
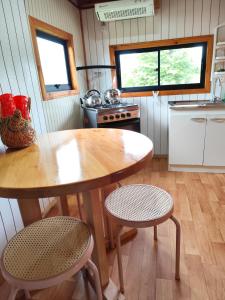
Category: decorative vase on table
[15,123]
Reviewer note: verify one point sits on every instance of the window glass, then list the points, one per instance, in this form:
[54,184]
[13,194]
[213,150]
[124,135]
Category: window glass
[162,68]
[53,61]
[180,66]
[139,69]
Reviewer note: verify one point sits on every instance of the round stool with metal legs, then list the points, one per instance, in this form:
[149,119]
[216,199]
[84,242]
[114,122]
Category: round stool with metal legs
[46,253]
[139,206]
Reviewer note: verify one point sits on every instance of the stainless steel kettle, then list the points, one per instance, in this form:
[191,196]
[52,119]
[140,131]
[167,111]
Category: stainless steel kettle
[92,98]
[112,96]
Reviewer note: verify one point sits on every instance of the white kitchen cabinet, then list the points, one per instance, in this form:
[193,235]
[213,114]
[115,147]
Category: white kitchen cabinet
[214,153]
[197,140]
[186,139]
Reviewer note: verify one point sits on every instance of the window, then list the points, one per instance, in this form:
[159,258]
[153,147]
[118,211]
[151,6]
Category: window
[171,67]
[55,60]
[52,50]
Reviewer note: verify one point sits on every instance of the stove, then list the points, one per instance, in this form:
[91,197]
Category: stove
[122,115]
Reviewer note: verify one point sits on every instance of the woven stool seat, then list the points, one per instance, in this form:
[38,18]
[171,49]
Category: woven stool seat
[46,248]
[139,203]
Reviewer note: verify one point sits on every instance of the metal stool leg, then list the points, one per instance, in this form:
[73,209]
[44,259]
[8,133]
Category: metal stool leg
[13,292]
[177,273]
[79,206]
[27,295]
[120,267]
[94,269]
[111,238]
[112,246]
[155,233]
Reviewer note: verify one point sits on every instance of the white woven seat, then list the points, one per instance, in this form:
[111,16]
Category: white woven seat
[139,203]
[46,253]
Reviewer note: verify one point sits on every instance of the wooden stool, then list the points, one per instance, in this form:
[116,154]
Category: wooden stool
[46,253]
[141,205]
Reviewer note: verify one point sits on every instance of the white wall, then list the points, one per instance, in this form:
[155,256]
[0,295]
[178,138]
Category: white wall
[18,75]
[175,19]
[63,113]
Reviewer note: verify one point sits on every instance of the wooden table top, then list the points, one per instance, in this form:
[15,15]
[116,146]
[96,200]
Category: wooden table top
[72,161]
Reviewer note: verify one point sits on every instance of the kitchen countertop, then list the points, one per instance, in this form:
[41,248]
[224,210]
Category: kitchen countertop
[196,104]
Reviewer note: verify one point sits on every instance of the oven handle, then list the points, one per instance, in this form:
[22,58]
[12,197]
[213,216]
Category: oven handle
[121,123]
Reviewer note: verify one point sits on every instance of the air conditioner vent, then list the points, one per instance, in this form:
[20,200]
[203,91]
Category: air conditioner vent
[126,9]
[119,14]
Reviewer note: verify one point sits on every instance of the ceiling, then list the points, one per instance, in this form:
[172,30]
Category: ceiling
[87,3]
[90,3]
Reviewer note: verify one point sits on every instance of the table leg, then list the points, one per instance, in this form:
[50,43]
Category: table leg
[30,210]
[63,205]
[93,207]
[94,211]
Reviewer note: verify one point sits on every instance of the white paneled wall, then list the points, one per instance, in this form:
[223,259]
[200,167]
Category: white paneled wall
[63,113]
[18,75]
[175,19]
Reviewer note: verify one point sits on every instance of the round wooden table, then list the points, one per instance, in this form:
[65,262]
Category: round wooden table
[68,162]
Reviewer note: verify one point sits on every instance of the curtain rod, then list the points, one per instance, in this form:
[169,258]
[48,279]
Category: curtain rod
[95,67]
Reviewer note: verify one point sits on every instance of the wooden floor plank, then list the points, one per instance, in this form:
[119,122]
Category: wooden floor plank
[149,266]
[164,289]
[196,278]
[147,288]
[215,281]
[189,237]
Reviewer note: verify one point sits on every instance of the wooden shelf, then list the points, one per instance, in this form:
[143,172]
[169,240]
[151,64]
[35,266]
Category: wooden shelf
[220,58]
[219,61]
[219,73]
[220,44]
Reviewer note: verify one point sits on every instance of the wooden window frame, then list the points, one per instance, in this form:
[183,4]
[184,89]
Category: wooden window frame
[171,42]
[35,25]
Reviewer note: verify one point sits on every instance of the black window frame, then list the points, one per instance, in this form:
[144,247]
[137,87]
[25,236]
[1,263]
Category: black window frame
[159,87]
[57,87]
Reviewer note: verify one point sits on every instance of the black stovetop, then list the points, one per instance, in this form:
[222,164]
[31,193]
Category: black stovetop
[109,106]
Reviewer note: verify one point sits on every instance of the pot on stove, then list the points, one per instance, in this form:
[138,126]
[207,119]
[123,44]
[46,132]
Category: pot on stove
[112,96]
[92,98]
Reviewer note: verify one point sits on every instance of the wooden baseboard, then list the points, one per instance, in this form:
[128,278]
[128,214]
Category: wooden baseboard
[160,156]
[199,169]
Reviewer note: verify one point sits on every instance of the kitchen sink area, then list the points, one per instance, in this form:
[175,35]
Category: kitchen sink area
[196,104]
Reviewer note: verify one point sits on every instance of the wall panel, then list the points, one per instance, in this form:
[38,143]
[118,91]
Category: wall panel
[175,19]
[18,75]
[62,113]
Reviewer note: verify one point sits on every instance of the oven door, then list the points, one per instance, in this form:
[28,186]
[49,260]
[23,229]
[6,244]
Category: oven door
[132,124]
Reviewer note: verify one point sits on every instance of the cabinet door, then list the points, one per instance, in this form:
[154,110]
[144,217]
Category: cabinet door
[186,139]
[214,154]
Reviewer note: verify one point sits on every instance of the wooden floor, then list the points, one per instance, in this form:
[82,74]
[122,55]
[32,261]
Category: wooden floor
[149,266]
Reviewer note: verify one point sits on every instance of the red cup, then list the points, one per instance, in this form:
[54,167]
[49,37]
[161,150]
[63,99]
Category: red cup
[23,104]
[7,105]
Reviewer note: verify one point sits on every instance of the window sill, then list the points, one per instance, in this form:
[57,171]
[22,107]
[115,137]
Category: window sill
[166,93]
[61,94]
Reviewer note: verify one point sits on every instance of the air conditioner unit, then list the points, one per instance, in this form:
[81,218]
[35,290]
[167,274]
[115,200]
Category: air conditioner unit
[124,9]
